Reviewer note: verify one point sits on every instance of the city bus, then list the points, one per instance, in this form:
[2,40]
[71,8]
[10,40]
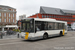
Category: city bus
[38,28]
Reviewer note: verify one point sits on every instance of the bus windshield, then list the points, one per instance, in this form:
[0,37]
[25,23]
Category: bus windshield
[27,26]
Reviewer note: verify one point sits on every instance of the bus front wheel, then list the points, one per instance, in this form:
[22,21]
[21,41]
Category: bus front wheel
[61,34]
[45,36]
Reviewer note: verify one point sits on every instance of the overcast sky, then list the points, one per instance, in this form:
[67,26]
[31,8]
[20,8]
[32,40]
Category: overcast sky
[30,7]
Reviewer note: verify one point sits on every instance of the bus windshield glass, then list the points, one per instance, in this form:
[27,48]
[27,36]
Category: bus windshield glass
[27,25]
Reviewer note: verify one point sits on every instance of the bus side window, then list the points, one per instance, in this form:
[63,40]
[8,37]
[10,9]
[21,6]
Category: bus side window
[50,26]
[46,26]
[37,28]
[59,25]
[42,26]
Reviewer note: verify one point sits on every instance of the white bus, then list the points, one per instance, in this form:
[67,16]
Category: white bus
[36,28]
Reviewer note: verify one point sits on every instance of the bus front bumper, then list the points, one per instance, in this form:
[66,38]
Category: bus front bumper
[31,38]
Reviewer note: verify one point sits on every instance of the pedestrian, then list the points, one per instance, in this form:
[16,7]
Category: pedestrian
[7,32]
[1,35]
[18,34]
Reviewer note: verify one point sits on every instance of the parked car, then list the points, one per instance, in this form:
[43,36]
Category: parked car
[69,28]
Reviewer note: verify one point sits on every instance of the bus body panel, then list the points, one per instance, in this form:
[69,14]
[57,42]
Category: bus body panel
[39,34]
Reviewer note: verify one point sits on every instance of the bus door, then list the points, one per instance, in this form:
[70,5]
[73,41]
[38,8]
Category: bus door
[38,28]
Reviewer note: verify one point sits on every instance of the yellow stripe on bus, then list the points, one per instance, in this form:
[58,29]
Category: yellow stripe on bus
[26,35]
[63,31]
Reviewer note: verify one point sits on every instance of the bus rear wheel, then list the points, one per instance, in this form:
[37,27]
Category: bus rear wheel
[45,36]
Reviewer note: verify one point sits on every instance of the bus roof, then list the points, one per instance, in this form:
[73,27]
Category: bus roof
[46,19]
[49,20]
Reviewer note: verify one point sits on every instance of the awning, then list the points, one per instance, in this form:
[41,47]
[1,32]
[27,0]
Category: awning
[12,26]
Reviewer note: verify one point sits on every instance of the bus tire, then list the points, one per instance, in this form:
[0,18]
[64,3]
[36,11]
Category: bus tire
[45,36]
[61,34]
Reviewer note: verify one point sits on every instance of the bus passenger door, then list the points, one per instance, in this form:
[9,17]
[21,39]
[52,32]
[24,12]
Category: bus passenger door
[39,33]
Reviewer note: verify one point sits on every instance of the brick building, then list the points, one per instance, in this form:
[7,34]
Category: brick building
[55,13]
[7,16]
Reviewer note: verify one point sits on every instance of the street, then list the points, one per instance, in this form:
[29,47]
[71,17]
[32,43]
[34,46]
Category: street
[66,42]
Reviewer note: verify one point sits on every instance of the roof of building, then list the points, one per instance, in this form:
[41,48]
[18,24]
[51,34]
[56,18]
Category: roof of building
[6,10]
[50,10]
[6,6]
[68,11]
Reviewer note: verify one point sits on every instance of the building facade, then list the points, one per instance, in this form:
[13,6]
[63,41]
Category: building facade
[7,16]
[56,13]
[22,16]
[18,22]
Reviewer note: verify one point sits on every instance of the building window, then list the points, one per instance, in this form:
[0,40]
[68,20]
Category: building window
[13,15]
[5,14]
[0,19]
[0,14]
[42,16]
[37,17]
[9,14]
[50,16]
[13,20]
[9,9]
[45,16]
[5,20]
[9,20]
[13,9]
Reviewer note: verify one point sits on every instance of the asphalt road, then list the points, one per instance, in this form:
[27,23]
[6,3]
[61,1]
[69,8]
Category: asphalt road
[66,42]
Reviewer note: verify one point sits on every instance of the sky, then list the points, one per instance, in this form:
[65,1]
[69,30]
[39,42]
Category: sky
[31,7]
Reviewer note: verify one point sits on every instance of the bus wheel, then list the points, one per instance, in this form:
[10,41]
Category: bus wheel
[61,33]
[45,36]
